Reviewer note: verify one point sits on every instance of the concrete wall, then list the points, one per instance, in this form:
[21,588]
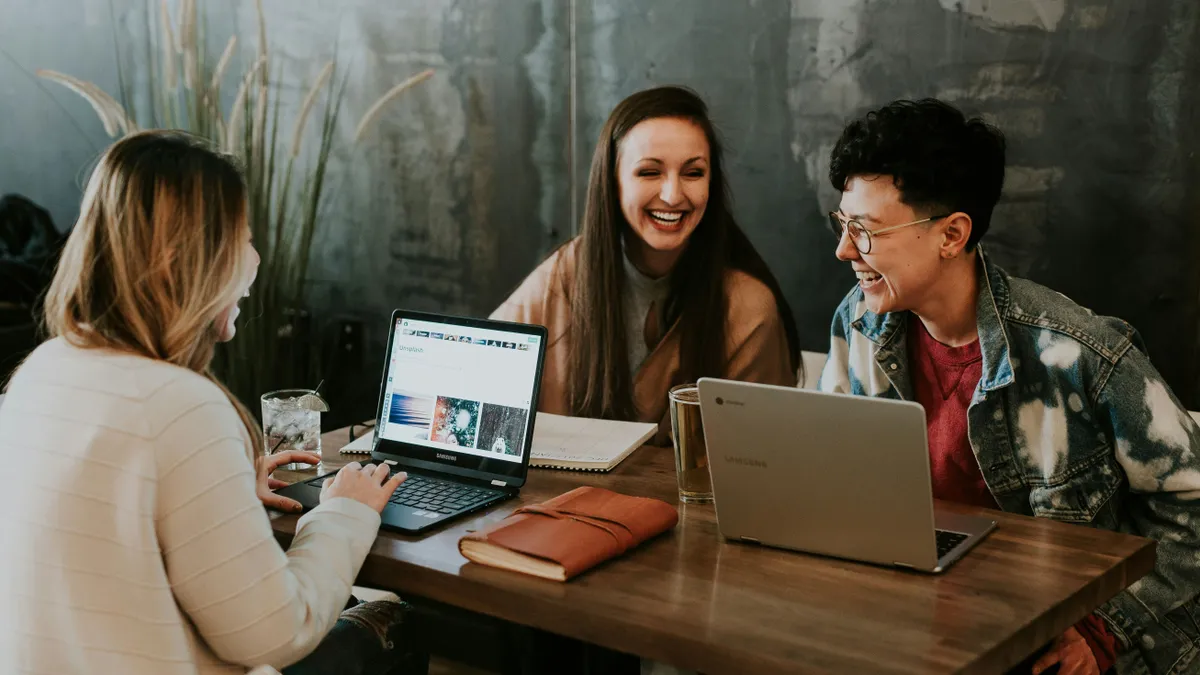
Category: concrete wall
[471,179]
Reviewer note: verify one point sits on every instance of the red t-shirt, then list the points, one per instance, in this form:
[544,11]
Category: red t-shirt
[944,380]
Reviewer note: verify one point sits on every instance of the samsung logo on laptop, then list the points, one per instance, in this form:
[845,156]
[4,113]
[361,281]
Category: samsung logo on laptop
[448,458]
[745,461]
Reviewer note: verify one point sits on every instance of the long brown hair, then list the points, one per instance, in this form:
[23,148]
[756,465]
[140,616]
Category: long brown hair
[155,256]
[599,383]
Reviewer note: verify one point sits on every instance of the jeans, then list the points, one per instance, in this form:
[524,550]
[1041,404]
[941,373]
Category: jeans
[538,652]
[368,639]
[494,645]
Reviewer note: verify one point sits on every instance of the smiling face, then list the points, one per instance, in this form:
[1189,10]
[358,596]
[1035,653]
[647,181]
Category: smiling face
[904,266]
[663,171]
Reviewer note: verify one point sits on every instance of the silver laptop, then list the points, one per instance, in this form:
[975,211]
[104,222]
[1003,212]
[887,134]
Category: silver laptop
[833,474]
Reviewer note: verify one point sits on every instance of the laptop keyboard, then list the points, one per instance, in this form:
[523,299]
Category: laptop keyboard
[440,496]
[431,494]
[947,540]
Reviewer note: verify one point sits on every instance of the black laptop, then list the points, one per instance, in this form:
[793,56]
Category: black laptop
[456,411]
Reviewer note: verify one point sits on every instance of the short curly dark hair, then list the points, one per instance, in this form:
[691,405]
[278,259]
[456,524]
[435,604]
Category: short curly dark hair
[939,159]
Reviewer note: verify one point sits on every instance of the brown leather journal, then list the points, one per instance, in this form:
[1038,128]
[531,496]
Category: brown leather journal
[569,534]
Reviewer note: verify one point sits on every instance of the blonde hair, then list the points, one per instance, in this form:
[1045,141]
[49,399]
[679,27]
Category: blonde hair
[155,256]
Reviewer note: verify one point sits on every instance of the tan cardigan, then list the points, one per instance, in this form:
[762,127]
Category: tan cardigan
[756,341]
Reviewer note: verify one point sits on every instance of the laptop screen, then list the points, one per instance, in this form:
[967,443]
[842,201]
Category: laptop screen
[464,391]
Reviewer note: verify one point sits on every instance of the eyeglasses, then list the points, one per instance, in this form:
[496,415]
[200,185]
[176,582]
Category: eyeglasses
[860,236]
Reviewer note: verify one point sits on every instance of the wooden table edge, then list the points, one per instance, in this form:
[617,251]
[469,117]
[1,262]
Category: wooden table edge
[1106,586]
[410,579]
[413,579]
[403,577]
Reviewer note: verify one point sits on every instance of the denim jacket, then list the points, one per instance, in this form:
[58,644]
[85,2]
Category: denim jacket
[1069,421]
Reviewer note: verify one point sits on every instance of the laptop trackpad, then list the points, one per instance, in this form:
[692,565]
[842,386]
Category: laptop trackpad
[307,494]
[957,522]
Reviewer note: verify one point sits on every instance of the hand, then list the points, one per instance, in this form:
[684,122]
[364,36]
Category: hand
[1072,654]
[369,484]
[265,466]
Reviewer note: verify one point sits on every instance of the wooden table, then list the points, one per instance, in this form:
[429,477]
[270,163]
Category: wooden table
[693,600]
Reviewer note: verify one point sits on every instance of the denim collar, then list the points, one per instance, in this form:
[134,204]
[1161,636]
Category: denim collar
[991,306]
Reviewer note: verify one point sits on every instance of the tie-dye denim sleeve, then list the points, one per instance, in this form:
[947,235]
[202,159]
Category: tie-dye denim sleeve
[835,376]
[1156,443]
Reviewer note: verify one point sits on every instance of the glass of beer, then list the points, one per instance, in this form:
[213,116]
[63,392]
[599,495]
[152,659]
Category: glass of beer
[691,455]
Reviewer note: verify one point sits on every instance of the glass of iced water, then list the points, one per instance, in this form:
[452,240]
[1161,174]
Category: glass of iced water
[292,421]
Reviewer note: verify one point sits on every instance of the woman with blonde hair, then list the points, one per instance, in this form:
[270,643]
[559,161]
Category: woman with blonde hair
[134,534]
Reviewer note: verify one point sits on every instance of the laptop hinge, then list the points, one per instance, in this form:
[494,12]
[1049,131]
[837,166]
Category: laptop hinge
[751,540]
[399,464]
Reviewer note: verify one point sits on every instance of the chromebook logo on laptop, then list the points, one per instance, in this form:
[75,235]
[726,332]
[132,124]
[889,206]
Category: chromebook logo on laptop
[746,461]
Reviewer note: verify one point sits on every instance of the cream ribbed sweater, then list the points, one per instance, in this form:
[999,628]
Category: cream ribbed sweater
[131,539]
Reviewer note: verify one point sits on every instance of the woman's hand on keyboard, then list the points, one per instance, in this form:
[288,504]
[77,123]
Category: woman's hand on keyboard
[369,485]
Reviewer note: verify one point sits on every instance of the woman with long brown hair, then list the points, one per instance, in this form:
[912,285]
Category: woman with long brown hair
[134,534]
[661,287]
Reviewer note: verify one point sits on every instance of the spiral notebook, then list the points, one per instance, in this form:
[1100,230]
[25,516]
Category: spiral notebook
[575,443]
[585,444]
